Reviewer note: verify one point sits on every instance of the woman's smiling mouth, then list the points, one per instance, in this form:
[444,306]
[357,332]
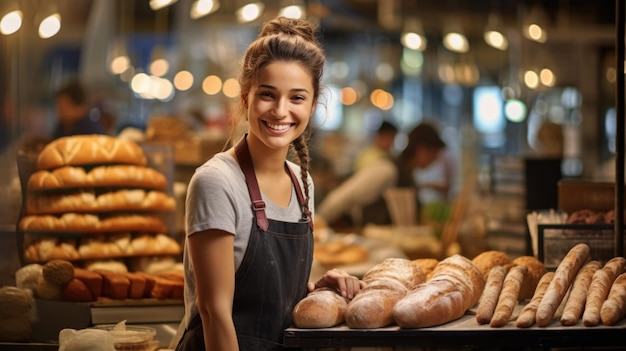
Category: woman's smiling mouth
[277,127]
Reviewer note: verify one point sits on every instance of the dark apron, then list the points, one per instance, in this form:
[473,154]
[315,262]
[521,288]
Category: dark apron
[272,277]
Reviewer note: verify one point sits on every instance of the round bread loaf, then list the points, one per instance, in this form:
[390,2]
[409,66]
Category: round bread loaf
[322,308]
[78,150]
[59,272]
[15,301]
[489,259]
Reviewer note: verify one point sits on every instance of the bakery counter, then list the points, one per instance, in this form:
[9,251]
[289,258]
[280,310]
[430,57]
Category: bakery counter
[464,332]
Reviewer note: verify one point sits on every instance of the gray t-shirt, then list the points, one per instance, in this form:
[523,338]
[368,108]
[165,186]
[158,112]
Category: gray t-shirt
[218,198]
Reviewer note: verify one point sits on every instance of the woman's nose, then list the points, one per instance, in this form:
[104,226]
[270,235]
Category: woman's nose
[281,108]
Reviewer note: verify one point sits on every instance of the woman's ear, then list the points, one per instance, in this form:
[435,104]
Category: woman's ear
[244,100]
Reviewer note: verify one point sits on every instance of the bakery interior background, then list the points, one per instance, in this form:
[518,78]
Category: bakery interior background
[562,71]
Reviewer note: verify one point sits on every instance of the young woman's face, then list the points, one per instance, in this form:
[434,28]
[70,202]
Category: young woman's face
[280,105]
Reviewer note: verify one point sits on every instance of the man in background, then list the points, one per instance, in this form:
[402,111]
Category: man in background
[72,107]
[380,148]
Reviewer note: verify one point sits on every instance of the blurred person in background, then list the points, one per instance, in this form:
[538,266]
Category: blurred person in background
[381,146]
[72,107]
[360,198]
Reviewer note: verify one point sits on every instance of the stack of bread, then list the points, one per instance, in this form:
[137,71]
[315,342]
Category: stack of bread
[95,197]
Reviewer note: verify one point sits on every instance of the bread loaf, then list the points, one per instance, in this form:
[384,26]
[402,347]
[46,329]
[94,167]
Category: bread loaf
[77,291]
[137,285]
[69,177]
[46,249]
[321,308]
[536,269]
[489,259]
[601,283]
[527,316]
[575,304]
[489,298]
[614,307]
[564,276]
[89,150]
[114,285]
[91,279]
[508,296]
[338,253]
[373,306]
[400,269]
[455,286]
[426,265]
[78,223]
[88,201]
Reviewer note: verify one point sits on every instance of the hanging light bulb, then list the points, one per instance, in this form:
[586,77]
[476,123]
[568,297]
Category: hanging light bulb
[456,41]
[250,12]
[534,26]
[11,22]
[413,35]
[201,8]
[159,65]
[50,24]
[292,9]
[159,4]
[494,33]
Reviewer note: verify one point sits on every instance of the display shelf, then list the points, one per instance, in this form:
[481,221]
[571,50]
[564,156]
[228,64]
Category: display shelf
[464,332]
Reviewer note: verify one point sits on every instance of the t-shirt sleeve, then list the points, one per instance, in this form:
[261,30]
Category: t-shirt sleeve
[210,203]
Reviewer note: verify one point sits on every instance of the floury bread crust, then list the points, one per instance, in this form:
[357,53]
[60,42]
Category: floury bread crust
[76,223]
[322,308]
[81,150]
[455,286]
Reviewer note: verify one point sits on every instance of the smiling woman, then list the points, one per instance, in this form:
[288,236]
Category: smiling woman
[251,206]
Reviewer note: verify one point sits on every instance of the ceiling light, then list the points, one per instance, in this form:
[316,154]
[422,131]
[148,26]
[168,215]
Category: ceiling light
[159,65]
[250,12]
[50,26]
[413,35]
[11,22]
[457,42]
[534,25]
[159,4]
[202,8]
[494,33]
[293,11]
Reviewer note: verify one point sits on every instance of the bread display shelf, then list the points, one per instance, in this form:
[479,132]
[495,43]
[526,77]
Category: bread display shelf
[463,332]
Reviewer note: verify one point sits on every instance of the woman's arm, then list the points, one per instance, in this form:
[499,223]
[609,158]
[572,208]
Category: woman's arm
[212,257]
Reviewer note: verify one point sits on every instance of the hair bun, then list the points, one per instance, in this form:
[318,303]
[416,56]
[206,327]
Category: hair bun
[288,26]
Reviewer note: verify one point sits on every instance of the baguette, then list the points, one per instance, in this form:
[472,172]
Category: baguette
[489,298]
[88,201]
[563,277]
[321,308]
[526,317]
[599,289]
[508,296]
[80,150]
[536,269]
[71,177]
[489,259]
[575,304]
[455,286]
[614,307]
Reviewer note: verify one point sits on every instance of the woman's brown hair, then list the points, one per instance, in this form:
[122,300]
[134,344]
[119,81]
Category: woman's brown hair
[288,40]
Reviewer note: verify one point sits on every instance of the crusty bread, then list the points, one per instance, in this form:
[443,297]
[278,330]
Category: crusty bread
[88,201]
[401,269]
[90,150]
[489,259]
[455,286]
[70,177]
[83,222]
[489,297]
[426,265]
[47,248]
[536,269]
[114,285]
[599,289]
[575,304]
[321,308]
[613,308]
[508,296]
[373,306]
[526,317]
[559,285]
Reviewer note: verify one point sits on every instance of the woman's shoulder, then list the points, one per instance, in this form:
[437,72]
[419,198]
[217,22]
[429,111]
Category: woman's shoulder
[221,167]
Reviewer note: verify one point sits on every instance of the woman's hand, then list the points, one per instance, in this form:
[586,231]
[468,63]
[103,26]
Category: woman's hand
[347,285]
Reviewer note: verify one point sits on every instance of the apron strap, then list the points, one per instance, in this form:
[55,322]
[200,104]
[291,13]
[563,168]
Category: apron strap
[258,205]
[245,162]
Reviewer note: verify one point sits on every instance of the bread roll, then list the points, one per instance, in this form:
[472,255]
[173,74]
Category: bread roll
[528,314]
[601,283]
[26,277]
[321,308]
[563,277]
[69,177]
[90,150]
[373,306]
[455,286]
[508,296]
[77,291]
[59,272]
[614,307]
[489,259]
[536,269]
[491,293]
[575,304]
[15,301]
[87,201]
